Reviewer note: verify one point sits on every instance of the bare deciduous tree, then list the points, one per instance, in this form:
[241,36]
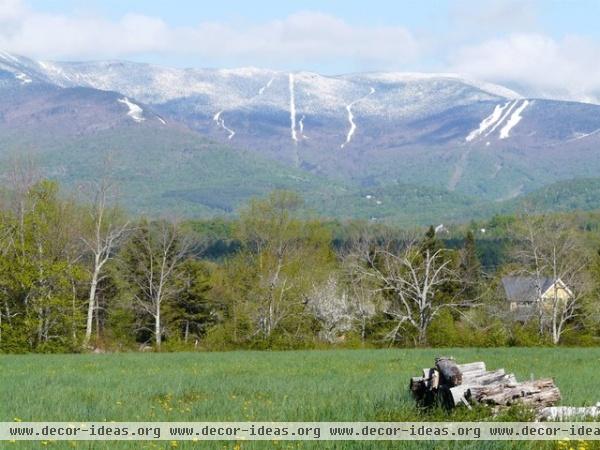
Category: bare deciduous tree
[104,236]
[155,258]
[410,278]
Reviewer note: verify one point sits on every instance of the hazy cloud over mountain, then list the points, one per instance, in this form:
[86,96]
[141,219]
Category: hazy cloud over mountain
[538,64]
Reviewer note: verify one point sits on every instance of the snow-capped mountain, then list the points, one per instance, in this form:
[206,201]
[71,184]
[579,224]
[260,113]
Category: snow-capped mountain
[214,99]
[209,91]
[226,88]
[369,129]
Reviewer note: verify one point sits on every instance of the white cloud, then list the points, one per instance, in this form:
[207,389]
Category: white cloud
[305,38]
[10,10]
[568,68]
[532,62]
[493,16]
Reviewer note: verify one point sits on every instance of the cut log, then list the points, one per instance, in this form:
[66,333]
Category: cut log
[534,393]
[472,374]
[457,395]
[472,367]
[485,378]
[450,374]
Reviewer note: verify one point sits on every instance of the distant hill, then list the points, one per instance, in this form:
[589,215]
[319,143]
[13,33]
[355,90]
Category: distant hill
[581,194]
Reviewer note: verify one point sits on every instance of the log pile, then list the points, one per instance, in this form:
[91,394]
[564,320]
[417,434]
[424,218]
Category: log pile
[451,385]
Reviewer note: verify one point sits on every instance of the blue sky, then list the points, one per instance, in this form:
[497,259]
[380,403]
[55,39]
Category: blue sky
[548,45]
[556,17]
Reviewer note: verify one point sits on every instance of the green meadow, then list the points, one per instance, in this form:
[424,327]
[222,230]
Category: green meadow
[342,385]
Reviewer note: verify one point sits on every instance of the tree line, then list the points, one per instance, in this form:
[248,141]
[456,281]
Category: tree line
[80,275]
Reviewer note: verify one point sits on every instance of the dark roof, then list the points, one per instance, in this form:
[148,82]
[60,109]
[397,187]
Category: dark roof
[524,289]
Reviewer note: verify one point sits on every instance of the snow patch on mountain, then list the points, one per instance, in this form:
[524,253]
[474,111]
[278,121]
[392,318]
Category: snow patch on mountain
[301,127]
[221,123]
[58,75]
[266,86]
[135,111]
[24,79]
[292,107]
[352,129]
[504,117]
[487,122]
[579,136]
[352,125]
[514,120]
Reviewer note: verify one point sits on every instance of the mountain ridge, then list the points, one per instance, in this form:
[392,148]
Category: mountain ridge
[358,132]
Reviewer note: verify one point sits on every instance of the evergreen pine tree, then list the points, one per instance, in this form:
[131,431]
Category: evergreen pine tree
[430,241]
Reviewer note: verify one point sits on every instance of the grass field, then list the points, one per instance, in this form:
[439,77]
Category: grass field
[359,385]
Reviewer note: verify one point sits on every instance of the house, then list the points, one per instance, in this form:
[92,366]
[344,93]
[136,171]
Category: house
[524,293]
